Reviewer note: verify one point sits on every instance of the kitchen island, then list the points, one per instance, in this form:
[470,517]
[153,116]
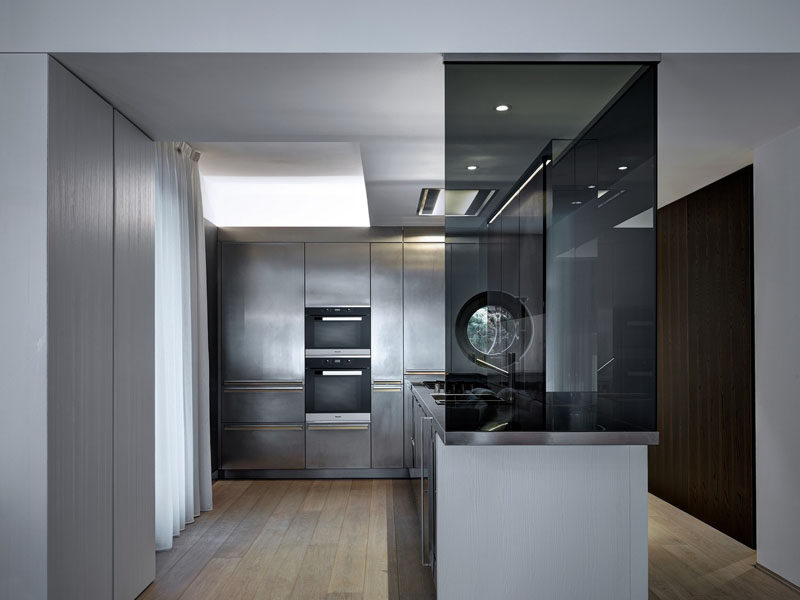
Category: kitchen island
[517,506]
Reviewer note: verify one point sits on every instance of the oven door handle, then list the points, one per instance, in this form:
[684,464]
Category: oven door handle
[340,318]
[341,373]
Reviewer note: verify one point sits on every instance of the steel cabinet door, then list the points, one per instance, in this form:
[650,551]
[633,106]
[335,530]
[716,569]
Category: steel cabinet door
[264,446]
[387,425]
[337,274]
[337,446]
[424,308]
[387,312]
[263,321]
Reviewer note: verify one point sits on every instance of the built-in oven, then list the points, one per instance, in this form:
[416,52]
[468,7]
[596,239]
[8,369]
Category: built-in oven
[338,400]
[338,388]
[337,331]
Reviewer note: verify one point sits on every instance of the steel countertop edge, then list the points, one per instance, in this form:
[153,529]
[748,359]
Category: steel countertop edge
[527,438]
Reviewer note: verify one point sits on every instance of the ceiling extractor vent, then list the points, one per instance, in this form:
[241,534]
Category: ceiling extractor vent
[457,203]
[428,198]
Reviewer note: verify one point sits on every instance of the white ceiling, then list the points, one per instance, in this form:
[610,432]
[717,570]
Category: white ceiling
[392,105]
[713,110]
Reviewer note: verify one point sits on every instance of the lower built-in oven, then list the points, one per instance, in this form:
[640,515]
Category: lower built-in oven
[338,400]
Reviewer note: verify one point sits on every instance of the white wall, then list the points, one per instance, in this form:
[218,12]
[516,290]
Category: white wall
[23,322]
[777,353]
[408,26]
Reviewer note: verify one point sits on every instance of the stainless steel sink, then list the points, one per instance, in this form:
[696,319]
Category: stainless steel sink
[446,398]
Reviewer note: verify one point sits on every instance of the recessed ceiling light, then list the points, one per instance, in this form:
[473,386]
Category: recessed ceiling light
[502,107]
[472,167]
[577,202]
[622,168]
[591,187]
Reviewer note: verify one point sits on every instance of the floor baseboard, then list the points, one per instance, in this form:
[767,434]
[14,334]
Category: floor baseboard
[777,577]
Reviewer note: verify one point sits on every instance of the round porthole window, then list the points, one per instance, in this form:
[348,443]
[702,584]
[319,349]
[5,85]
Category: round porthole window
[493,326]
[492,330]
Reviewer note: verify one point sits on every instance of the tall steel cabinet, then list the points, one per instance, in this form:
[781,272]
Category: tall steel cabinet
[337,274]
[262,320]
[387,354]
[424,322]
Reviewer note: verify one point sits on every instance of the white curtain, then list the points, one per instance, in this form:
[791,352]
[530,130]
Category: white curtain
[183,453]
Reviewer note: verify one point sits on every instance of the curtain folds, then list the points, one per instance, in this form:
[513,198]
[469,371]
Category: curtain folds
[183,452]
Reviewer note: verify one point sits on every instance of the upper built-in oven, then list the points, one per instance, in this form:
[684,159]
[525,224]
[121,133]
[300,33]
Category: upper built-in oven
[337,331]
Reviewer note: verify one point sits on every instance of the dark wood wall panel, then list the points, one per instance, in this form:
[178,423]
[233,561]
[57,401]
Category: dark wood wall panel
[705,462]
[668,474]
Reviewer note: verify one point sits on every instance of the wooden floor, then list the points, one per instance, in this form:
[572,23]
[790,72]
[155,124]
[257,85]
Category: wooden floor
[690,560]
[359,539]
[322,539]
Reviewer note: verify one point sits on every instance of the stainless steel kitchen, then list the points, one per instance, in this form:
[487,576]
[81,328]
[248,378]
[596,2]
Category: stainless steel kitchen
[388,326]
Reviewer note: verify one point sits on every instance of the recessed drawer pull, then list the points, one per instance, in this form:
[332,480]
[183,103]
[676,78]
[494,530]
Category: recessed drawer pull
[263,428]
[425,372]
[387,388]
[387,382]
[338,427]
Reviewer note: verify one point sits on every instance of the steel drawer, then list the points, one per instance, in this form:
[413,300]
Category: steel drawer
[338,446]
[269,446]
[280,404]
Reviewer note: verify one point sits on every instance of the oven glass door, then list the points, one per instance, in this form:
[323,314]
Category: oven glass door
[336,329]
[338,391]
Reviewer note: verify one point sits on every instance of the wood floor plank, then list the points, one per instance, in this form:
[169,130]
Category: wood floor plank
[350,563]
[329,526]
[246,532]
[315,572]
[376,579]
[391,543]
[414,580]
[224,493]
[284,569]
[249,575]
[209,584]
[183,572]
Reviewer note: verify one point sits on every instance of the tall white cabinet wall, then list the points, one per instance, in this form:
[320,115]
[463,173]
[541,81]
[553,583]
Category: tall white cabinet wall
[80,312]
[77,359]
[100,306]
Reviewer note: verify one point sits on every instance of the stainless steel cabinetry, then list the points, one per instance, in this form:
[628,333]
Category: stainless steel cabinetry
[387,355]
[423,321]
[263,321]
[263,340]
[338,446]
[263,446]
[387,425]
[268,404]
[337,274]
[424,307]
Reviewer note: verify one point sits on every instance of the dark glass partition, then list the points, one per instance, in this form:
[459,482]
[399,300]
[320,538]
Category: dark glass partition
[600,351]
[550,244]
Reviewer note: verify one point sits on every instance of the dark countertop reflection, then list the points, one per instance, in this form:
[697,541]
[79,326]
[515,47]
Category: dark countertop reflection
[511,417]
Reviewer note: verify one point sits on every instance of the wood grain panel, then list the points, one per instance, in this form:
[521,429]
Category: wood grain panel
[668,475]
[80,339]
[720,351]
[134,360]
[705,461]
